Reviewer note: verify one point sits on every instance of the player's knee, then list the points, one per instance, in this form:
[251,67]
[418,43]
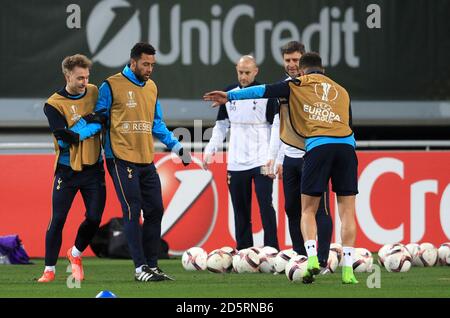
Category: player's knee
[155,215]
[57,223]
[292,209]
[131,215]
[293,214]
[159,212]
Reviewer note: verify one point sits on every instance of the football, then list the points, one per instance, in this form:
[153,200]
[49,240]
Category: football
[249,262]
[398,260]
[427,255]
[237,259]
[194,259]
[337,248]
[332,262]
[267,259]
[296,268]
[218,261]
[413,249]
[229,250]
[384,250]
[362,261]
[444,254]
[282,259]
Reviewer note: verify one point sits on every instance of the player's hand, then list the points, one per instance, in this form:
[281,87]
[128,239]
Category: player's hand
[206,160]
[279,171]
[218,97]
[269,169]
[67,135]
[185,157]
[95,118]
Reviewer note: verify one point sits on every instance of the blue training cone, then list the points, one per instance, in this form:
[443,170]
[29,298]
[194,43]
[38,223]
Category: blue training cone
[105,294]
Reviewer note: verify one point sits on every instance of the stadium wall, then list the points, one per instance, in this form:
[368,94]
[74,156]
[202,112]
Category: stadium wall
[404,197]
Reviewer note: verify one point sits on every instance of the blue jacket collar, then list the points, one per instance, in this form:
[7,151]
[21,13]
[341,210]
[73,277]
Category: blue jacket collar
[128,73]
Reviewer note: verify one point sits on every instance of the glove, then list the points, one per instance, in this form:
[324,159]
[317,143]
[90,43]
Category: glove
[185,157]
[67,135]
[95,118]
[79,125]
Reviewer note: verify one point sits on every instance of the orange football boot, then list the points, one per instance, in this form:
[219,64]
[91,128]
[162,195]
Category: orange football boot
[47,277]
[77,265]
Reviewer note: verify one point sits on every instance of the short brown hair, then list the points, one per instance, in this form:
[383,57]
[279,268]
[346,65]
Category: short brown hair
[291,47]
[70,62]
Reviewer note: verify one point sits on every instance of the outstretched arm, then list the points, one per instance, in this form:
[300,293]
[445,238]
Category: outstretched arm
[218,97]
[276,90]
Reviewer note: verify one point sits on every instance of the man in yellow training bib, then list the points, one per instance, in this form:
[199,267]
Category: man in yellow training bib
[320,115]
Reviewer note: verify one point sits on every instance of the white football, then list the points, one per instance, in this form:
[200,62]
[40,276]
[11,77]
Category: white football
[413,249]
[362,261]
[194,259]
[218,261]
[398,260]
[227,255]
[332,262]
[267,259]
[249,263]
[227,261]
[296,268]
[237,259]
[282,259]
[255,249]
[427,255]
[337,248]
[444,254]
[384,250]
[230,250]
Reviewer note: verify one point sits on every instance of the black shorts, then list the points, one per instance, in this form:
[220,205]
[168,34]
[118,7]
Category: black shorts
[336,161]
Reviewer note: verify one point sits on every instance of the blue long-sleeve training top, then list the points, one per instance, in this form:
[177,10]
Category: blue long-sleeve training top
[159,129]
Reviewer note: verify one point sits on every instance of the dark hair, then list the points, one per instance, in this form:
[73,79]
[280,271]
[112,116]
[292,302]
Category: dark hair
[291,47]
[141,47]
[311,60]
[70,62]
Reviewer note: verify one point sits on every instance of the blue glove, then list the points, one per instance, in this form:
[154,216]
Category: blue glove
[84,129]
[80,124]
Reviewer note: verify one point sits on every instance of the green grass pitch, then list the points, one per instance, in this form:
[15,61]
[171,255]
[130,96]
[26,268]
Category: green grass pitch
[117,276]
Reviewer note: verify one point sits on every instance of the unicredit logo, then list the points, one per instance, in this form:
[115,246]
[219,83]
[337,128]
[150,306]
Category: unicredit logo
[113,28]
[190,202]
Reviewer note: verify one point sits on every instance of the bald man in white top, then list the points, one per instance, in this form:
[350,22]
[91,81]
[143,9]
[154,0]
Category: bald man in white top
[250,128]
